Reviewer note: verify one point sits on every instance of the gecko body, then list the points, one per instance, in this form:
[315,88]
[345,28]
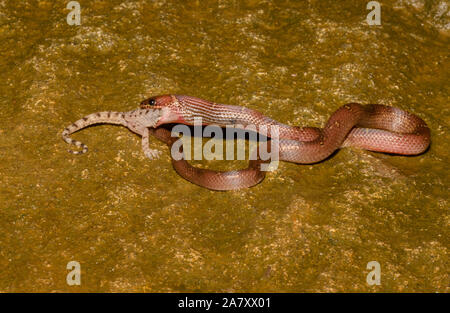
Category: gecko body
[138,121]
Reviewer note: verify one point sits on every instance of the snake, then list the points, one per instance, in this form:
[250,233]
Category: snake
[372,127]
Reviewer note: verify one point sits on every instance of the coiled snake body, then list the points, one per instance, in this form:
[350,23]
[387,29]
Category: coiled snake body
[372,127]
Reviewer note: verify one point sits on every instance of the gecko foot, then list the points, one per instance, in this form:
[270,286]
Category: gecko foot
[152,153]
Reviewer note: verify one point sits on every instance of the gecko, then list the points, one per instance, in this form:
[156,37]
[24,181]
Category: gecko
[138,121]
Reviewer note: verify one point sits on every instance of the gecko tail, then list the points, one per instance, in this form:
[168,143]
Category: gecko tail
[95,118]
[70,141]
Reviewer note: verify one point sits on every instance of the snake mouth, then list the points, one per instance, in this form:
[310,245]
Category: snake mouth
[168,116]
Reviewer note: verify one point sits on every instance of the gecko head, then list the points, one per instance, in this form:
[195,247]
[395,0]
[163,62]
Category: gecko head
[169,106]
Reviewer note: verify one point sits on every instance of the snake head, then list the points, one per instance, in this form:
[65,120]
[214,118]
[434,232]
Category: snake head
[169,106]
[157,102]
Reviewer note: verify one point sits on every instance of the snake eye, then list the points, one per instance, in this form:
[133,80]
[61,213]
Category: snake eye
[148,103]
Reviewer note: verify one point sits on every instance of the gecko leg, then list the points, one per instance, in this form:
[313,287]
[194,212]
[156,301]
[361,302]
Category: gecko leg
[149,153]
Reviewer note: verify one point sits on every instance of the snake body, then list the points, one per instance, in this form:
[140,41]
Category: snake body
[372,127]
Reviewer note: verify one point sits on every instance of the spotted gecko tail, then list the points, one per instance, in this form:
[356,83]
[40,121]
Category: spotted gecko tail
[91,119]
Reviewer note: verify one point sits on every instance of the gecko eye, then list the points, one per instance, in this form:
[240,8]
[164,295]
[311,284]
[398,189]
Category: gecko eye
[152,102]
